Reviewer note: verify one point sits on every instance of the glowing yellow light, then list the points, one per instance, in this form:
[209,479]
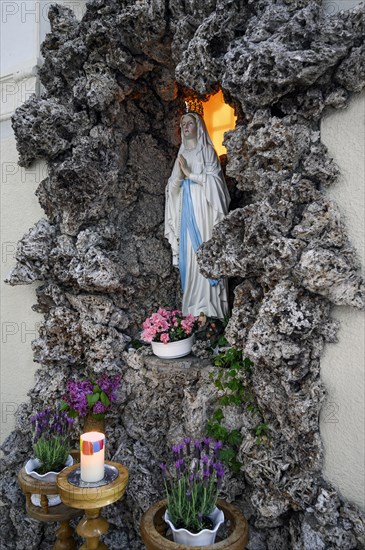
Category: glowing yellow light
[219,118]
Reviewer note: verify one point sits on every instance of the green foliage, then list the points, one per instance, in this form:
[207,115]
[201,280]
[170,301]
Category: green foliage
[185,500]
[261,432]
[136,344]
[52,453]
[92,398]
[51,439]
[65,407]
[237,391]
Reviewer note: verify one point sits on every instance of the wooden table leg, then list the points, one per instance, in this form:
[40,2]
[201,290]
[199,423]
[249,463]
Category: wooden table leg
[64,540]
[44,503]
[91,528]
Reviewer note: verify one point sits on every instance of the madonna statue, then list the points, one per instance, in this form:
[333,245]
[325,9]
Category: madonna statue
[196,199]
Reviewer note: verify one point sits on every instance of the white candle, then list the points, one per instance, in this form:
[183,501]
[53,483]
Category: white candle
[92,449]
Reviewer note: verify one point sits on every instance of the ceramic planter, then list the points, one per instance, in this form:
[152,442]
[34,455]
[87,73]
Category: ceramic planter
[49,477]
[173,350]
[156,534]
[204,537]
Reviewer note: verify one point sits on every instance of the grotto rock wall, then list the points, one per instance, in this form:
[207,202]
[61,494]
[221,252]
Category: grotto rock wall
[107,127]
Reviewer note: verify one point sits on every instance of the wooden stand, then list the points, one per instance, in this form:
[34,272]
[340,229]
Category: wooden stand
[92,500]
[154,529]
[59,513]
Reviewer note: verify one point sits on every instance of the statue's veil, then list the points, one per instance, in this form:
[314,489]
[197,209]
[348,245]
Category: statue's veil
[203,138]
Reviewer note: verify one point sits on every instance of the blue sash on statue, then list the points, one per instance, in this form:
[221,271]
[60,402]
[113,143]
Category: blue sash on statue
[188,223]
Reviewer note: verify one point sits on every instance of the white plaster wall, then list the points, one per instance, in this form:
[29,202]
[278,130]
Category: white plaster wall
[24,24]
[342,367]
[19,211]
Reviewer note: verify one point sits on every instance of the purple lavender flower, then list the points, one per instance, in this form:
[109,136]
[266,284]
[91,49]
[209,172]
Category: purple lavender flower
[191,486]
[220,473]
[175,452]
[219,469]
[207,441]
[216,448]
[187,442]
[177,468]
[180,465]
[197,449]
[164,469]
[206,476]
[48,424]
[205,461]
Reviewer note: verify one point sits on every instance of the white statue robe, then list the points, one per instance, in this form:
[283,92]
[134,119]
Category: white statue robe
[210,200]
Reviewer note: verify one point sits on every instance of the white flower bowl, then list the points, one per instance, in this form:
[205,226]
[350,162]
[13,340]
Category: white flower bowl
[173,350]
[204,537]
[49,477]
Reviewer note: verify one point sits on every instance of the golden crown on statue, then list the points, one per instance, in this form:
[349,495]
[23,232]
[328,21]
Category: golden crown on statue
[194,106]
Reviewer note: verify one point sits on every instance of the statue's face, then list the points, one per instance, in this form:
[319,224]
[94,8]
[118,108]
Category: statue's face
[189,127]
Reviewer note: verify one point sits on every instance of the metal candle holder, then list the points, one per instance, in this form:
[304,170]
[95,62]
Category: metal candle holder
[110,474]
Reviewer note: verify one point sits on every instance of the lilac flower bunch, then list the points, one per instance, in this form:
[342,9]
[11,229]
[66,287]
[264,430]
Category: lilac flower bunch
[86,396]
[51,441]
[193,482]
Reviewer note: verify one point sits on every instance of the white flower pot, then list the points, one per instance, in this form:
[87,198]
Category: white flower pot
[49,477]
[204,537]
[173,350]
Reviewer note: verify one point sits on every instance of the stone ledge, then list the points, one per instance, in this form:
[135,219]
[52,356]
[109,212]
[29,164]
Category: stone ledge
[187,362]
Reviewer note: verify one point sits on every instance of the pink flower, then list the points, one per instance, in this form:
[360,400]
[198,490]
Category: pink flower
[165,325]
[186,325]
[164,313]
[148,334]
[190,318]
[165,338]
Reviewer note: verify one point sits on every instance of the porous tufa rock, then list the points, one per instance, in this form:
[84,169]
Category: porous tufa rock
[45,128]
[33,251]
[329,274]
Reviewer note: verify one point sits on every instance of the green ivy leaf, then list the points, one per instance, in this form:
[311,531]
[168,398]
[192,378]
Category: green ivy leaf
[218,415]
[227,455]
[261,428]
[233,384]
[224,400]
[234,438]
[217,432]
[235,466]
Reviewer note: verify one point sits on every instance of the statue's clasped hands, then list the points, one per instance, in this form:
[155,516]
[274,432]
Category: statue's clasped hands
[184,168]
